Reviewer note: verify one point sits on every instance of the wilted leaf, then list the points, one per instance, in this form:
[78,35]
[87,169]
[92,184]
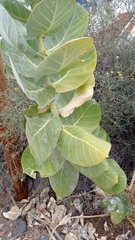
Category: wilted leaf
[60,212]
[74,28]
[42,133]
[14,213]
[48,17]
[65,180]
[82,148]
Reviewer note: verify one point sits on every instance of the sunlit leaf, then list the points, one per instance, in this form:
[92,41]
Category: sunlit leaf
[65,180]
[65,81]
[101,133]
[81,147]
[63,56]
[49,16]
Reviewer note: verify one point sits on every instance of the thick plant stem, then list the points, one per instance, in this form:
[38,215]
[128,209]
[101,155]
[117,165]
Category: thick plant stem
[10,144]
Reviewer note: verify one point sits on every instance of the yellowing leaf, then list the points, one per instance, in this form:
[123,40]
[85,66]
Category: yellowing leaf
[80,147]
[82,94]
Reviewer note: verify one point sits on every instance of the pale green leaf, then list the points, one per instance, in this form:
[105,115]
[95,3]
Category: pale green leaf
[65,180]
[62,99]
[42,132]
[52,165]
[122,180]
[81,147]
[74,28]
[94,171]
[116,217]
[41,95]
[73,78]
[49,16]
[16,10]
[22,65]
[101,133]
[87,116]
[81,95]
[107,179]
[11,33]
[63,56]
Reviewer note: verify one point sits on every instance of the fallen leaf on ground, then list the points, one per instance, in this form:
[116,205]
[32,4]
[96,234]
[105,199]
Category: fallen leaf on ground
[60,212]
[14,213]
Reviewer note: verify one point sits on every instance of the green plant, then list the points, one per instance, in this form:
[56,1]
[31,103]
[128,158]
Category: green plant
[118,206]
[53,64]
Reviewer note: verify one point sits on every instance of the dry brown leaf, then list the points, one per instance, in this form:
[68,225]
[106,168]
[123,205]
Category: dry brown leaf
[30,205]
[14,213]
[59,214]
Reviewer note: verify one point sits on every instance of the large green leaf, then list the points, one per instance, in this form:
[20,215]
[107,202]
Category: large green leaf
[122,180]
[20,61]
[52,165]
[65,81]
[107,179]
[101,133]
[94,171]
[43,96]
[65,180]
[81,147]
[49,16]
[87,116]
[42,132]
[62,99]
[74,28]
[11,33]
[63,56]
[16,10]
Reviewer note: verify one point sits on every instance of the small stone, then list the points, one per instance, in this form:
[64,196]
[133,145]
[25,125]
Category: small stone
[19,227]
[44,237]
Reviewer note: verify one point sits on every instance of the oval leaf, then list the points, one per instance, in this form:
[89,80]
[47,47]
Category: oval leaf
[63,56]
[107,179]
[49,16]
[122,180]
[82,148]
[65,81]
[65,180]
[52,165]
[42,133]
[16,10]
[74,28]
[87,116]
[94,171]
